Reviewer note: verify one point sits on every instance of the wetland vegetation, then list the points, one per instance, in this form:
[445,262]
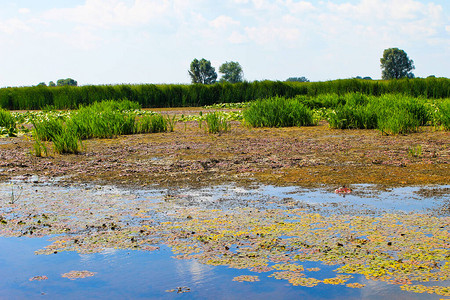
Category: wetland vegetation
[243,154]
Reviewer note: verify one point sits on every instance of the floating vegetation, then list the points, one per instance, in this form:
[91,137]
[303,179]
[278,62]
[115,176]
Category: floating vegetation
[38,278]
[72,275]
[246,278]
[410,250]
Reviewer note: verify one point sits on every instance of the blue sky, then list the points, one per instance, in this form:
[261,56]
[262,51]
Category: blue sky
[147,41]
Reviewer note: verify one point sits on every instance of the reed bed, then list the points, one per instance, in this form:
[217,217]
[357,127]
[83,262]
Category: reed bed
[179,95]
[106,119]
[278,112]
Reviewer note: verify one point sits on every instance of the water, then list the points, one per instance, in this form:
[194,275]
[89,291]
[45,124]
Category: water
[123,273]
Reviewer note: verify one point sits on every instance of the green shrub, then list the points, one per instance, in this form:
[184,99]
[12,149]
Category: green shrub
[278,112]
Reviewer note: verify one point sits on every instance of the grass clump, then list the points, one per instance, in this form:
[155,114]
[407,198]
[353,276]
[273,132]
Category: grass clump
[7,123]
[6,119]
[105,119]
[216,122]
[153,124]
[278,112]
[442,115]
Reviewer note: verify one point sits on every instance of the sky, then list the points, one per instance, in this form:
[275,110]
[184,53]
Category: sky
[148,41]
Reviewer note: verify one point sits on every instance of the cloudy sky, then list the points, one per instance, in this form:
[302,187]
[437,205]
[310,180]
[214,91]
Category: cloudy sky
[149,41]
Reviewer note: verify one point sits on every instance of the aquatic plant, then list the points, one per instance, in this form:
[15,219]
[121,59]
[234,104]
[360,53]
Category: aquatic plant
[6,119]
[216,123]
[278,112]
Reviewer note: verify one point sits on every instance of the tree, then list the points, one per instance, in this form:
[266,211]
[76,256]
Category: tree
[202,72]
[232,72]
[51,83]
[395,64]
[41,84]
[298,79]
[68,81]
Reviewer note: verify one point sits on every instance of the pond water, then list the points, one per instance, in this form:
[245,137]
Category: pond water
[223,242]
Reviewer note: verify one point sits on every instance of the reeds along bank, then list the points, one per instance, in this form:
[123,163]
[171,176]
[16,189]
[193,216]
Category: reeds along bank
[179,95]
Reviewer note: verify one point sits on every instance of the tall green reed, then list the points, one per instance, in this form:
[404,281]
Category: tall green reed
[278,112]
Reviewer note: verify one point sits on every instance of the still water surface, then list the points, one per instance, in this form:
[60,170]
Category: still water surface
[132,274]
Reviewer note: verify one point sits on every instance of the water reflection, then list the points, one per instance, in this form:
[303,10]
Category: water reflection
[113,222]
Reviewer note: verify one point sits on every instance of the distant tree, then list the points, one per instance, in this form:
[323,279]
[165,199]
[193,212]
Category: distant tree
[51,83]
[232,72]
[201,71]
[431,76]
[68,81]
[363,78]
[41,84]
[395,64]
[298,79]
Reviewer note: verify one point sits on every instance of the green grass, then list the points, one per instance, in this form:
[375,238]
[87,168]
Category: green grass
[6,119]
[153,124]
[442,114]
[216,123]
[278,112]
[101,120]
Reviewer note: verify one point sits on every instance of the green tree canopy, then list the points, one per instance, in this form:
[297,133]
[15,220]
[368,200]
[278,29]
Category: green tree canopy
[201,71]
[68,81]
[51,83]
[232,72]
[298,79]
[395,64]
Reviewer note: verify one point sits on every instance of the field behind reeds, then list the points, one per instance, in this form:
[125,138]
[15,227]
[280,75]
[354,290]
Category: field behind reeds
[179,95]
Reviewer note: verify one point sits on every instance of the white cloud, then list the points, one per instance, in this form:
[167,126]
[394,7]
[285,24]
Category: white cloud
[299,7]
[106,13]
[237,38]
[24,11]
[222,22]
[13,26]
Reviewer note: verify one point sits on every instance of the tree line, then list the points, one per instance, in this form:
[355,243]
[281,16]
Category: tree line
[395,64]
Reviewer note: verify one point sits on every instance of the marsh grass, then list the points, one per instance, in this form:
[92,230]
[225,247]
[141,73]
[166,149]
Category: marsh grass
[67,142]
[415,151]
[39,147]
[105,119]
[442,115]
[278,112]
[390,113]
[7,120]
[182,95]
[216,123]
[152,124]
